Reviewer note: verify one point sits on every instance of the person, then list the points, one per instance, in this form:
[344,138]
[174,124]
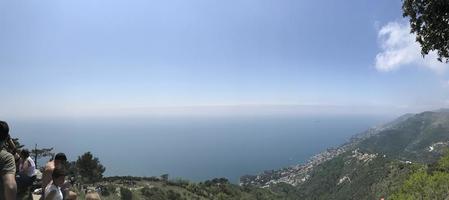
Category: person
[53,190]
[59,162]
[27,170]
[7,164]
[92,196]
[27,165]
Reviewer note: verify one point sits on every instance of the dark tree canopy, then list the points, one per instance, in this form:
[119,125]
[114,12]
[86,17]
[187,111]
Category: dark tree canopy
[429,20]
[89,168]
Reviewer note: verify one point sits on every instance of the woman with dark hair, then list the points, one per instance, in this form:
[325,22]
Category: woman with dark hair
[27,165]
[27,170]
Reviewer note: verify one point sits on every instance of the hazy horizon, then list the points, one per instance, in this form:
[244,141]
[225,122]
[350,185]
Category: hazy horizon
[197,148]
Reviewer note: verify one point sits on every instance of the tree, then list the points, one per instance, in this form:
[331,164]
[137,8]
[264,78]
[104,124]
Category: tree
[40,153]
[429,19]
[426,185]
[72,171]
[36,153]
[89,168]
[164,177]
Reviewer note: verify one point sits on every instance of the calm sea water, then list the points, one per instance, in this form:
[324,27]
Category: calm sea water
[193,148]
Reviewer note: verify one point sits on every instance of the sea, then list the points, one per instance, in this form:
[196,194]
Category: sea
[193,148]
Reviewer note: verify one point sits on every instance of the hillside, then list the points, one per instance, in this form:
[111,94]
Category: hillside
[419,138]
[370,165]
[154,188]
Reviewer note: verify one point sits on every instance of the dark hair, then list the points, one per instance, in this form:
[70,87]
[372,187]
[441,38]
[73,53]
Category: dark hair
[58,173]
[25,153]
[4,131]
[61,157]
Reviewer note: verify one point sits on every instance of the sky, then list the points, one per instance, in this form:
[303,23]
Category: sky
[77,58]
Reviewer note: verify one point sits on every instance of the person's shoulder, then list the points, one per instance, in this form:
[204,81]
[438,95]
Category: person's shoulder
[50,164]
[29,159]
[93,196]
[7,163]
[5,156]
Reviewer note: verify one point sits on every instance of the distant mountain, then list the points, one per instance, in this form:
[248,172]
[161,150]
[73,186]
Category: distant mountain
[371,165]
[419,138]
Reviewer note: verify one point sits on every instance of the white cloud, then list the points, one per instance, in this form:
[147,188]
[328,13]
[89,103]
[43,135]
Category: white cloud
[399,49]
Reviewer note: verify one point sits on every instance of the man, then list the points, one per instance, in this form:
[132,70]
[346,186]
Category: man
[59,162]
[53,190]
[7,164]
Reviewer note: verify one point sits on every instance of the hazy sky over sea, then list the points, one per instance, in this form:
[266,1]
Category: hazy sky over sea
[76,58]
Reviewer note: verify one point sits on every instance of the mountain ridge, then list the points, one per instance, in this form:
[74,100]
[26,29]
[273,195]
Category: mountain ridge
[372,164]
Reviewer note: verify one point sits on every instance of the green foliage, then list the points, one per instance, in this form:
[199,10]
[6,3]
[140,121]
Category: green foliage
[172,195]
[429,20]
[130,178]
[126,194]
[107,190]
[89,168]
[422,185]
[430,184]
[443,164]
[71,169]
[322,183]
[153,193]
[286,190]
[215,189]
[347,177]
[178,182]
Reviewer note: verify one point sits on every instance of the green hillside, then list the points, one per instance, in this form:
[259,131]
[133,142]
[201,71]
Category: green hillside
[127,188]
[413,138]
[375,164]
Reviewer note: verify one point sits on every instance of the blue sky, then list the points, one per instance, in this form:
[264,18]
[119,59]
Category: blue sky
[84,57]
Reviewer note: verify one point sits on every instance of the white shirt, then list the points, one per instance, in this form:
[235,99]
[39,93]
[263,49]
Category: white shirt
[50,188]
[31,168]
